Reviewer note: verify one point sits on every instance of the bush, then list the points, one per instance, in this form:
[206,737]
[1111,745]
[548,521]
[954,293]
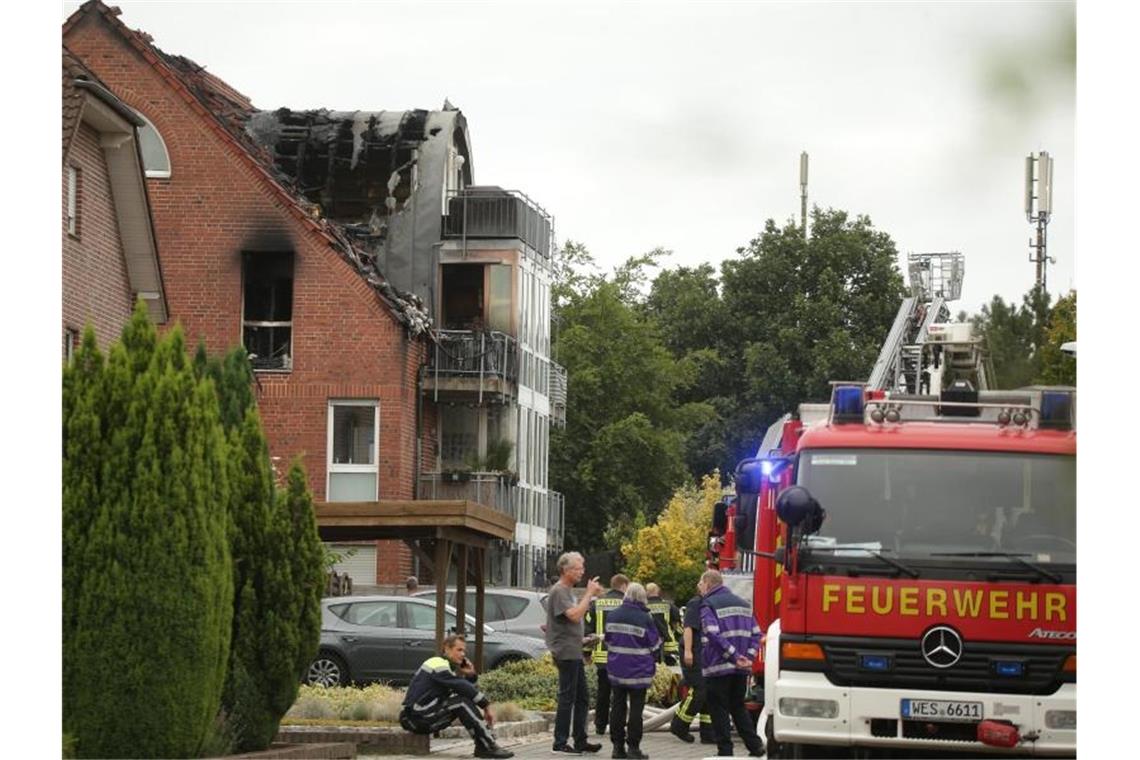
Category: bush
[532,684]
[147,576]
[663,690]
[374,703]
[508,712]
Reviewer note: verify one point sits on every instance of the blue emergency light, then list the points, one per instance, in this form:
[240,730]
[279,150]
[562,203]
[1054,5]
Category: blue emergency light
[877,662]
[847,403]
[1056,410]
[1009,668]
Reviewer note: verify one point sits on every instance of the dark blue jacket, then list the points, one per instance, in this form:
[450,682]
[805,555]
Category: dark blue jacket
[728,631]
[631,640]
[437,679]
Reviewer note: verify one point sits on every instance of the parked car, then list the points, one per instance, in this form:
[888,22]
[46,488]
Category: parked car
[515,610]
[386,638]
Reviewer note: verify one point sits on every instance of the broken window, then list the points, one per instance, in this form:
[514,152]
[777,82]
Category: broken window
[462,296]
[267,317]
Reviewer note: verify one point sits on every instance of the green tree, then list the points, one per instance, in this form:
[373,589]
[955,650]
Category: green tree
[1014,337]
[1058,368]
[306,570]
[620,454]
[798,314]
[148,579]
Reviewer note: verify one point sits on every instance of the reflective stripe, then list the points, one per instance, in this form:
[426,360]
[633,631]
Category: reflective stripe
[425,705]
[435,664]
[632,630]
[630,650]
[724,667]
[724,612]
[479,697]
[639,682]
[712,628]
[738,634]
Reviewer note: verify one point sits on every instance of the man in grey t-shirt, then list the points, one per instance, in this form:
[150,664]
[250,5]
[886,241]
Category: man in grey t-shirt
[564,633]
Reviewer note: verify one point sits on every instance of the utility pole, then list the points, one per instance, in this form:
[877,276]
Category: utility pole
[1039,208]
[803,192]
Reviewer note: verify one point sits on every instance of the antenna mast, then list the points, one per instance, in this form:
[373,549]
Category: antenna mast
[1039,207]
[803,192]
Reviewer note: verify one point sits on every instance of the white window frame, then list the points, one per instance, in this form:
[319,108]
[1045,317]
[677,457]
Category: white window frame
[156,173]
[73,200]
[332,468]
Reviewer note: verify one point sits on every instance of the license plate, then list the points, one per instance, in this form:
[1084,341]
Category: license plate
[939,709]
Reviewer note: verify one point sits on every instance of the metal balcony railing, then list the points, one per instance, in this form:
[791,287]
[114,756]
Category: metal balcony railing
[558,393]
[491,489]
[490,212]
[474,353]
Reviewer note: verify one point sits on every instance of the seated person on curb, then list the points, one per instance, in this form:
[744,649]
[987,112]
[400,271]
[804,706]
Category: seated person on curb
[443,690]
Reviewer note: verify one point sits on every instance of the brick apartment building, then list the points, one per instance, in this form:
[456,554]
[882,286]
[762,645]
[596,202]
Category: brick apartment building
[109,255]
[379,324]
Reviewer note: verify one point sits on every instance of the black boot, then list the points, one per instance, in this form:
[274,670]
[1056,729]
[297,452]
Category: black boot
[635,753]
[492,750]
[681,730]
[619,752]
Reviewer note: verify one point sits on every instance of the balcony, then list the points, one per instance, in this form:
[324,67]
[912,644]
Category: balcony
[558,392]
[493,213]
[472,363]
[491,489]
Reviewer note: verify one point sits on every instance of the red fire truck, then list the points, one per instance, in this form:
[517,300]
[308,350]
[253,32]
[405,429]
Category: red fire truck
[911,553]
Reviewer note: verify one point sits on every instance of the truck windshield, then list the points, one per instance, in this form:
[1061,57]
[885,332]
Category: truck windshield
[920,503]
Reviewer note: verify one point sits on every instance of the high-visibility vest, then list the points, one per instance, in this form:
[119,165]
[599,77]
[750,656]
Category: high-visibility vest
[662,608]
[602,604]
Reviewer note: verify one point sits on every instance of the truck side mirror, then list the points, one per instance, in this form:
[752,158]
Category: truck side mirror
[799,510]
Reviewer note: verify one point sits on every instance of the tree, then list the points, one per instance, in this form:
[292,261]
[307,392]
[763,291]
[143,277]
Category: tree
[620,454]
[1014,337]
[147,578]
[672,551]
[1058,368]
[792,316]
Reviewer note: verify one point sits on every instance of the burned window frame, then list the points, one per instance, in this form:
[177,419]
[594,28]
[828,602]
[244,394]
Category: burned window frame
[277,362]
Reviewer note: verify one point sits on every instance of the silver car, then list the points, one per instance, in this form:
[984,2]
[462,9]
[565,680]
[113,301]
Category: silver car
[386,638]
[516,610]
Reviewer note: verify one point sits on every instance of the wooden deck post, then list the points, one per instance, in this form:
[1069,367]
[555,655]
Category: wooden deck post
[442,567]
[480,557]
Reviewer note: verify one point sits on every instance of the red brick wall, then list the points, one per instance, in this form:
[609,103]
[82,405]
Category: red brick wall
[346,343]
[95,285]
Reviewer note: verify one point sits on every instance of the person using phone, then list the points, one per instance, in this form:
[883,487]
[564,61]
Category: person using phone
[444,690]
[564,634]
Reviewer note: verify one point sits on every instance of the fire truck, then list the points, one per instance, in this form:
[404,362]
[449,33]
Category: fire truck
[910,548]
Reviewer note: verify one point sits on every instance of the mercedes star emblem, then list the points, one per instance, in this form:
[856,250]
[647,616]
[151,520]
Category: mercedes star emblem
[942,646]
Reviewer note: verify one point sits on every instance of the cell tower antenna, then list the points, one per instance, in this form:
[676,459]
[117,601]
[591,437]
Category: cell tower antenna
[1039,208]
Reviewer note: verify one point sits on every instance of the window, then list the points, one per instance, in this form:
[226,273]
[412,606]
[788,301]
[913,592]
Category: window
[499,288]
[267,310]
[73,201]
[156,161]
[377,614]
[353,473]
[70,343]
[422,617]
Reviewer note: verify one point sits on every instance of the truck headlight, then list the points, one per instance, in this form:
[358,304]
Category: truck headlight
[795,707]
[1066,719]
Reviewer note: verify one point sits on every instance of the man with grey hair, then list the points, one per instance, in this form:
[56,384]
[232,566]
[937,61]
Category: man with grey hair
[632,640]
[564,634]
[730,641]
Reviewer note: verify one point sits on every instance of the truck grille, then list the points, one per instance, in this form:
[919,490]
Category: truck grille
[973,672]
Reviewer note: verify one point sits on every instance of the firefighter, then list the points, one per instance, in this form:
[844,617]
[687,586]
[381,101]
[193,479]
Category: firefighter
[696,695]
[633,641]
[442,691]
[730,641]
[668,620]
[595,620]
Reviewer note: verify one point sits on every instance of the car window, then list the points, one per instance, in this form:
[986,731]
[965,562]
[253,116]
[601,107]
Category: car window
[422,617]
[377,614]
[512,606]
[491,610]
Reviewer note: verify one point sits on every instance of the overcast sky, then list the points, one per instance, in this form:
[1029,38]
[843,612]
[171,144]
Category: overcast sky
[681,125]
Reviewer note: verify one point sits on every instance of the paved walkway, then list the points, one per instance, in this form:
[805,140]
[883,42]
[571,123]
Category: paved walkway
[657,744]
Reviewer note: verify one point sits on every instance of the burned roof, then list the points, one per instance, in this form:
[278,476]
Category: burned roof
[228,111]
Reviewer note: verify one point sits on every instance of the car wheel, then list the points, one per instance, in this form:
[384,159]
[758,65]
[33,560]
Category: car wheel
[327,670]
